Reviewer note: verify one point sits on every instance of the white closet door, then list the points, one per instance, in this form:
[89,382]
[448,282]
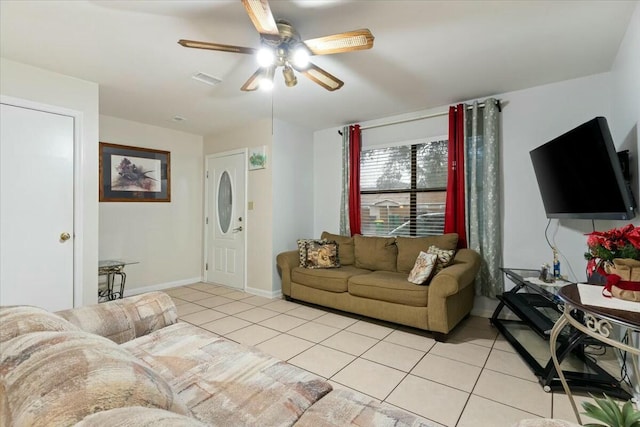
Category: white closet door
[36,208]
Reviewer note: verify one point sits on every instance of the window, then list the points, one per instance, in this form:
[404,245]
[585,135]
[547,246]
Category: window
[403,189]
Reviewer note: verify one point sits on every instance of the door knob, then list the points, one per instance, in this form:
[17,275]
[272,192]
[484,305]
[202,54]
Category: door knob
[235,230]
[65,236]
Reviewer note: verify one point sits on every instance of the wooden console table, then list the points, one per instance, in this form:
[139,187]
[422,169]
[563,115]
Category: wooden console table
[597,322]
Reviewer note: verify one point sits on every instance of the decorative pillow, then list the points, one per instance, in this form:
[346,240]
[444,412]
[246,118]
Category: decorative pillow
[345,246]
[445,257]
[410,247]
[423,268]
[302,251]
[322,254]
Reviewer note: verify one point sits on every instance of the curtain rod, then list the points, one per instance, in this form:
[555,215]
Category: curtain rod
[428,116]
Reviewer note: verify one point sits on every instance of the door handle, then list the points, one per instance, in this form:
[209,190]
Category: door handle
[65,236]
[235,230]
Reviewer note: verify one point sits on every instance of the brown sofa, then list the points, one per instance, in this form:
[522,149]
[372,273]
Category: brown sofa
[372,281]
[130,363]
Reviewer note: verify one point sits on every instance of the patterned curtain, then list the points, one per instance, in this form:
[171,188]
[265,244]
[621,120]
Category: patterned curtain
[354,179]
[483,194]
[344,198]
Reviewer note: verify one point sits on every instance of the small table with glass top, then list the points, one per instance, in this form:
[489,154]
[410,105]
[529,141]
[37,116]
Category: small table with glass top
[593,322]
[537,308]
[112,268]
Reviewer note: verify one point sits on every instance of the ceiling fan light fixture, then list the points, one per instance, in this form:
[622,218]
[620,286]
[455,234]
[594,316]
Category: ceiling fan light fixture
[265,57]
[300,57]
[289,76]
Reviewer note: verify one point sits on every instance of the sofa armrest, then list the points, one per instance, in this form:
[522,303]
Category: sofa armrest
[457,276]
[125,319]
[286,261]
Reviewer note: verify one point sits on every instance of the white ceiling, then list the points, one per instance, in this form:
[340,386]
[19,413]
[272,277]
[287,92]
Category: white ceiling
[425,54]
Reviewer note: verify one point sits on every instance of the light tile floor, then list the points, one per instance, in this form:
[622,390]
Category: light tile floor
[474,379]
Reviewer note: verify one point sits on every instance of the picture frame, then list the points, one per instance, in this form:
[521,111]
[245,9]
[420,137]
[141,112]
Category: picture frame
[134,174]
[258,157]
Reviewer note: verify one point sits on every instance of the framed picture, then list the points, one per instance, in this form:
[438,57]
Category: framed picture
[134,174]
[258,157]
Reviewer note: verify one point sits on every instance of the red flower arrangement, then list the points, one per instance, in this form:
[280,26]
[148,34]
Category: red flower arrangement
[621,242]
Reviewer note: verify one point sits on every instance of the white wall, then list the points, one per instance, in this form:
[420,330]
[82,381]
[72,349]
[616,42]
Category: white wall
[259,191]
[292,166]
[166,238]
[625,75]
[42,86]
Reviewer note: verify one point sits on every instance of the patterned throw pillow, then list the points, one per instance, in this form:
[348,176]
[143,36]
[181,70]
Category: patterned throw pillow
[445,257]
[302,251]
[423,268]
[322,254]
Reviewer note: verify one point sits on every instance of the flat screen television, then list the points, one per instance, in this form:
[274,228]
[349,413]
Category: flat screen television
[579,175]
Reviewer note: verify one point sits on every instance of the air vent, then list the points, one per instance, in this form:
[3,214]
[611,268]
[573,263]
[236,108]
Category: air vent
[206,78]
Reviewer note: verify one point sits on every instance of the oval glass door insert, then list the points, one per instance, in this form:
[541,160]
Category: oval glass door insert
[225,202]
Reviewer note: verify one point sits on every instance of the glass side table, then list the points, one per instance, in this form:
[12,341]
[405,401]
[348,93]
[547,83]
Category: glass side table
[526,316]
[593,322]
[112,268]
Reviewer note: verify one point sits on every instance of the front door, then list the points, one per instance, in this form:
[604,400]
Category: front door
[36,208]
[225,223]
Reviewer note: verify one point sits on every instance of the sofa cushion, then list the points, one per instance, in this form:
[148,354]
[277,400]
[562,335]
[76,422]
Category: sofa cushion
[332,280]
[346,408]
[410,247]
[225,383]
[388,286]
[345,247]
[322,254]
[58,378]
[376,253]
[138,416]
[124,319]
[22,319]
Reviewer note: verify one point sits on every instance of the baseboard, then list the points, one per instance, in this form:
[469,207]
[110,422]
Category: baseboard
[262,293]
[161,286]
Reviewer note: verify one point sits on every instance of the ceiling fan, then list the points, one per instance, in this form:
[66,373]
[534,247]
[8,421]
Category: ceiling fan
[283,47]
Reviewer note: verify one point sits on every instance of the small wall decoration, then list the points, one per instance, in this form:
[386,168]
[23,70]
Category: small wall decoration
[134,174]
[258,158]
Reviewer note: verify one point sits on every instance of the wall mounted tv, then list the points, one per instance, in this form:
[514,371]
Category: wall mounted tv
[579,175]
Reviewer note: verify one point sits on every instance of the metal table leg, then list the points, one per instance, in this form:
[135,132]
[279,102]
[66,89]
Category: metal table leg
[555,332]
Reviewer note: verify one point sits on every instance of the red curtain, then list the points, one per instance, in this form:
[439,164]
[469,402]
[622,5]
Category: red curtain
[354,180]
[454,218]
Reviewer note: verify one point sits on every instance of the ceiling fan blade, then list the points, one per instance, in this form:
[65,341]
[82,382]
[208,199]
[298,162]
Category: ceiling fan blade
[254,81]
[343,42]
[262,18]
[216,46]
[320,76]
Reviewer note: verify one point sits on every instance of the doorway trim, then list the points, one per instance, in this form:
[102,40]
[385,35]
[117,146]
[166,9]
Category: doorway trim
[207,201]
[78,184]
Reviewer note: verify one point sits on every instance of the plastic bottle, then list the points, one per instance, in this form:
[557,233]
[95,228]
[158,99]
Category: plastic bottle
[556,265]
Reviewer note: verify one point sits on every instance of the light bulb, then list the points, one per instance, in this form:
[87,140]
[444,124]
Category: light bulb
[300,57]
[265,57]
[266,82]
